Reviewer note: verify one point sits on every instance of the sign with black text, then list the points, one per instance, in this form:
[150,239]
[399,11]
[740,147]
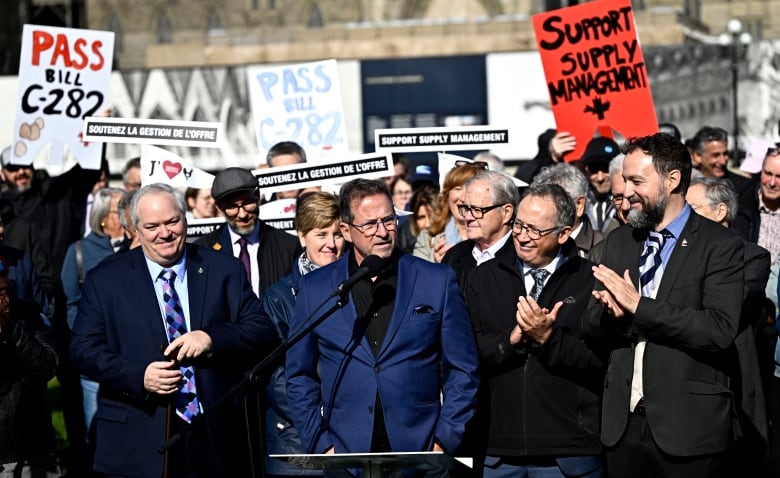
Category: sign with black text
[148,131]
[440,139]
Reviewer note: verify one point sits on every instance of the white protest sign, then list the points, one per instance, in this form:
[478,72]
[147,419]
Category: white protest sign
[448,161]
[440,138]
[299,103]
[161,166]
[306,175]
[280,214]
[203,227]
[201,134]
[64,75]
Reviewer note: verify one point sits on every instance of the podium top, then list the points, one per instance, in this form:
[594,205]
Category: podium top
[421,460]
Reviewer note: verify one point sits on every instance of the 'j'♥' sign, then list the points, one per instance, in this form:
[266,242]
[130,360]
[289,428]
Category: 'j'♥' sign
[64,75]
[595,71]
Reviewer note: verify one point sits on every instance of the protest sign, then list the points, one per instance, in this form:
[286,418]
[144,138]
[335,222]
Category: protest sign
[64,75]
[161,166]
[300,103]
[203,227]
[440,138]
[596,73]
[306,175]
[280,214]
[148,131]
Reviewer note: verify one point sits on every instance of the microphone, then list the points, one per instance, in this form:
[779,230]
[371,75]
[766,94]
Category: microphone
[371,266]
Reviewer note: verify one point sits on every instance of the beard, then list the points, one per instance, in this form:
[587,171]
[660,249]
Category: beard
[650,215]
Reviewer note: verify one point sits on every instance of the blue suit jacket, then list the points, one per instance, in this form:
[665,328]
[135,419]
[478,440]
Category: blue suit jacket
[119,330]
[425,372]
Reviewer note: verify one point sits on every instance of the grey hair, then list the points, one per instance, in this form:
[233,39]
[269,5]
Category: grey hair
[566,176]
[616,164]
[502,187]
[564,204]
[158,188]
[719,190]
[101,207]
[123,205]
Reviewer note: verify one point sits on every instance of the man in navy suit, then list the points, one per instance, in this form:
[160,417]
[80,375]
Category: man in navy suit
[158,321]
[396,368]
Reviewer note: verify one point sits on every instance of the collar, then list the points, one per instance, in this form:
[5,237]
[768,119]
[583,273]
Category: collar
[482,256]
[762,207]
[252,238]
[180,268]
[576,232]
[678,223]
[553,266]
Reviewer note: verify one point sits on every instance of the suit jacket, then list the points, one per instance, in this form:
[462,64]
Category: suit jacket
[462,261]
[427,355]
[119,331]
[275,256]
[690,327]
[537,400]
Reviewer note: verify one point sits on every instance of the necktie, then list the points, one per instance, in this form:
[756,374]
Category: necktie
[650,266]
[539,275]
[187,405]
[243,256]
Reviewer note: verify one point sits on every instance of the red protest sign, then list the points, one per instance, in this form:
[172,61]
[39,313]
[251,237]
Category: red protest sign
[595,71]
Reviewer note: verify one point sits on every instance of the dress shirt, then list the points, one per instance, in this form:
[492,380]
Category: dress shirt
[180,284]
[483,256]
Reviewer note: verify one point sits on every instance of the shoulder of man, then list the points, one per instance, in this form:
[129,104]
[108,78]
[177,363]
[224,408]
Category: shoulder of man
[458,251]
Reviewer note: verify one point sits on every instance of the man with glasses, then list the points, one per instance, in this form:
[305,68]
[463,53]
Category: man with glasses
[541,401]
[395,369]
[595,164]
[267,253]
[488,207]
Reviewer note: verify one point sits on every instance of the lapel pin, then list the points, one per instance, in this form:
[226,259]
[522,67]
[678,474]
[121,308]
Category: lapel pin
[217,246]
[684,243]
[200,270]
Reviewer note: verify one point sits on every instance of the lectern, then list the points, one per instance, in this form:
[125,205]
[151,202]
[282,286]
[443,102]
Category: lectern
[374,464]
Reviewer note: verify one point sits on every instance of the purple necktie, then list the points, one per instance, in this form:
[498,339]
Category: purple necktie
[187,405]
[243,256]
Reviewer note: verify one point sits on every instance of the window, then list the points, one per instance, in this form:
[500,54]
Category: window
[164,30]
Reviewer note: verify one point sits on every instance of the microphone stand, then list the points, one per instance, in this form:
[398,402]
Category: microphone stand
[255,374]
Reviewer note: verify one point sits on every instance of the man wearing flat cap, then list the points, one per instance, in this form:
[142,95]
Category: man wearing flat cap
[595,164]
[267,253]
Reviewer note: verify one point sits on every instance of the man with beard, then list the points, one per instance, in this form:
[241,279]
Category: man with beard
[667,304]
[267,253]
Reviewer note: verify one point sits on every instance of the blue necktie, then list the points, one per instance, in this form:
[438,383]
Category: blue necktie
[650,265]
[539,275]
[187,405]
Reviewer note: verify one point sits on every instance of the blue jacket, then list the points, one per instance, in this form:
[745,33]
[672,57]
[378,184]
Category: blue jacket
[425,373]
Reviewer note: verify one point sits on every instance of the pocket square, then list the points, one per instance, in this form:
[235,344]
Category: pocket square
[570,300]
[423,309]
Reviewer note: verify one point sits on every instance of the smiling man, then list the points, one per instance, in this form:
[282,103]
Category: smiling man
[488,207]
[526,305]
[667,304]
[267,253]
[395,369]
[710,156]
[166,329]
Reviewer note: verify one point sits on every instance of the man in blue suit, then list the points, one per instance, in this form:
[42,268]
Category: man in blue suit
[166,329]
[396,368]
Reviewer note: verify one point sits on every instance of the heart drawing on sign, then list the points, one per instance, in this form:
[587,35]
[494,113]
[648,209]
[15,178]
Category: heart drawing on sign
[171,168]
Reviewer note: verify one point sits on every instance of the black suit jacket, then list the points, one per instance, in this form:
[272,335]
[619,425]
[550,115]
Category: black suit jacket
[690,327]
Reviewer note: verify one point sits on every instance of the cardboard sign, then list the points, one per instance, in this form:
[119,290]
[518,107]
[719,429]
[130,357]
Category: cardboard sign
[440,139]
[305,175]
[148,131]
[64,75]
[300,103]
[595,70]
[162,166]
[203,227]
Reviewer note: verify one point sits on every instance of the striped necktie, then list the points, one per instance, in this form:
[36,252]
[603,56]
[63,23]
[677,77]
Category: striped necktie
[187,405]
[650,265]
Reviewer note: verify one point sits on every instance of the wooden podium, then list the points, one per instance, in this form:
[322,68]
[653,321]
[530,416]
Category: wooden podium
[374,464]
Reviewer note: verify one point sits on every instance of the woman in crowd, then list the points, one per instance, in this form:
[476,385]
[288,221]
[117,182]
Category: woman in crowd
[423,204]
[317,221]
[106,237]
[200,204]
[447,227]
[402,192]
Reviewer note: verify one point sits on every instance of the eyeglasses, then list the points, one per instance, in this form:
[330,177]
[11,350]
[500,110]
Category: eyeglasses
[370,228]
[476,211]
[479,164]
[532,232]
[617,199]
[250,206]
[12,168]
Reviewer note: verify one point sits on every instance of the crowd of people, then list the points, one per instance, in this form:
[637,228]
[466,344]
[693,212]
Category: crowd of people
[614,318]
